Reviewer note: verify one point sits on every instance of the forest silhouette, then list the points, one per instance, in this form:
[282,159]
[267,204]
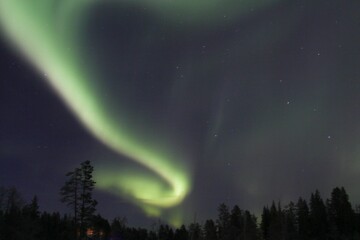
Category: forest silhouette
[314,219]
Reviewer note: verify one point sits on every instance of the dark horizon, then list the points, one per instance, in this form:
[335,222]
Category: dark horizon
[313,218]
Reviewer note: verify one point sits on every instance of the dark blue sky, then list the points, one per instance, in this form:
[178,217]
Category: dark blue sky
[267,106]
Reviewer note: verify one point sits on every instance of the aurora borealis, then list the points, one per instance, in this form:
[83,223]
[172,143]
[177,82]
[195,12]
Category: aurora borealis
[51,50]
[178,103]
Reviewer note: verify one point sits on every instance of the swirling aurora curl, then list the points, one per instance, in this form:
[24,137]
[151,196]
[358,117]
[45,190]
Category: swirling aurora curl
[47,33]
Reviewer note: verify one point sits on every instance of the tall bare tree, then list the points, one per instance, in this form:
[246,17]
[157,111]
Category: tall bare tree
[77,194]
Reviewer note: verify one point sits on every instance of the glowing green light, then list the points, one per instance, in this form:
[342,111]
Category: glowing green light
[38,30]
[47,33]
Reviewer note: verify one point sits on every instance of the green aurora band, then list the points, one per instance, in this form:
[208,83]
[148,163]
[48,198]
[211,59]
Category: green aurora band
[47,33]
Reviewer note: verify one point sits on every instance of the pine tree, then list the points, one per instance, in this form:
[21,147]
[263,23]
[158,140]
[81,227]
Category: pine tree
[2,223]
[357,222]
[265,223]
[181,233]
[236,222]
[289,226]
[318,217]
[210,230]
[166,233]
[250,227]
[341,214]
[30,218]
[223,222]
[195,231]
[88,204]
[303,219]
[70,192]
[77,194]
[275,225]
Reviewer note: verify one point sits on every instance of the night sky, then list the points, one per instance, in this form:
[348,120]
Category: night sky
[180,106]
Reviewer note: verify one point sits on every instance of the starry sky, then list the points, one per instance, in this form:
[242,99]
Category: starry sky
[180,106]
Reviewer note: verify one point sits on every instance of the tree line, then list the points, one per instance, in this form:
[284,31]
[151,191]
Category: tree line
[313,219]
